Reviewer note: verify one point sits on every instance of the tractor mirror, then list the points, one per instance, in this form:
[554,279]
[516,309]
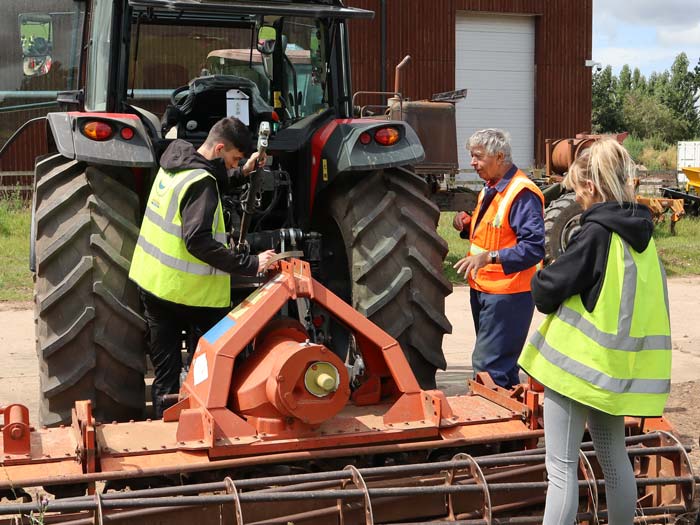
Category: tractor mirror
[36,41]
[267,37]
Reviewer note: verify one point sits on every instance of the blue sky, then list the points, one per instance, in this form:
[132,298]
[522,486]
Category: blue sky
[647,34]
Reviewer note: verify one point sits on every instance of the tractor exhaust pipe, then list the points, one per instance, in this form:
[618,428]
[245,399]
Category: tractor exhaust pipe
[397,74]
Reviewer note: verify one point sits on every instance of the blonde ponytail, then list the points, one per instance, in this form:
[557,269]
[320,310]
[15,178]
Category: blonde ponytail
[609,167]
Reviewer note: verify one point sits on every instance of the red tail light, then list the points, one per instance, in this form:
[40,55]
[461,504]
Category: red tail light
[387,136]
[127,133]
[97,130]
[365,138]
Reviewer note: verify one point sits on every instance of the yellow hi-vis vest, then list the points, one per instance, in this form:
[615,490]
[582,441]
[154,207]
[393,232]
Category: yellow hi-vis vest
[616,359]
[161,263]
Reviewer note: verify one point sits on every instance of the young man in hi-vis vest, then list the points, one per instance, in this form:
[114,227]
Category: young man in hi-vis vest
[506,234]
[604,350]
[182,262]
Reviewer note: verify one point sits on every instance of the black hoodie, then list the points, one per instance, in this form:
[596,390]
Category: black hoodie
[199,205]
[581,268]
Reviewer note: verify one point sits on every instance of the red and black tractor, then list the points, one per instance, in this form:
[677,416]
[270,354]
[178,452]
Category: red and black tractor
[339,188]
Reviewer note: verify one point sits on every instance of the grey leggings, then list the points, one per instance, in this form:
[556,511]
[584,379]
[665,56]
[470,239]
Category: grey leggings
[564,424]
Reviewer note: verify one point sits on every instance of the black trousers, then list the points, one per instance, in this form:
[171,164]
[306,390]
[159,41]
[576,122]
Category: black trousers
[166,321]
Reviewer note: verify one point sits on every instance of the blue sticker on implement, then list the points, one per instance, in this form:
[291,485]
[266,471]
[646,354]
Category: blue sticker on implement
[216,331]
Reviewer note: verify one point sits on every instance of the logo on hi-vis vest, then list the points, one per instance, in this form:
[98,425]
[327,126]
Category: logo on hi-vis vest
[161,188]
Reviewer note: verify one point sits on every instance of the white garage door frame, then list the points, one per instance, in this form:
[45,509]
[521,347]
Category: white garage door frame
[495,62]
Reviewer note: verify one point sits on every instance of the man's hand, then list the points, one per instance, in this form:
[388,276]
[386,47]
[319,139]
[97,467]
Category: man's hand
[461,220]
[252,163]
[471,264]
[264,258]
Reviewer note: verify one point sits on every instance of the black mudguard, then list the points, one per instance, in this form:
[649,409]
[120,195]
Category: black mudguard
[71,142]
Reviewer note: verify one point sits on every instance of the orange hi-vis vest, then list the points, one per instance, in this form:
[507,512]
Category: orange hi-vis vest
[495,233]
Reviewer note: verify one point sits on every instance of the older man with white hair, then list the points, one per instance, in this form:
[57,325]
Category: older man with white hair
[506,234]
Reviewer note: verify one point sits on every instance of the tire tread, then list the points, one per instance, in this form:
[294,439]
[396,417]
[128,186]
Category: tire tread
[90,332]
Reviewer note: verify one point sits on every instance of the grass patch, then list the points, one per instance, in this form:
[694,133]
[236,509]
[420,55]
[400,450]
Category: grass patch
[15,277]
[457,246]
[652,152]
[680,253]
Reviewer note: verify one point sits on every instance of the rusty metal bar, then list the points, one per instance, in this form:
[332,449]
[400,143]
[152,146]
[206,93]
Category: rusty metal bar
[652,515]
[314,514]
[403,470]
[586,445]
[264,496]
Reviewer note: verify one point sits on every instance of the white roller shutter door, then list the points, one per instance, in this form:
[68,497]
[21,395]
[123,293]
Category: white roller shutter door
[495,61]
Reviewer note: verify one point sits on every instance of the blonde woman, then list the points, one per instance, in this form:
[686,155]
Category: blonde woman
[604,350]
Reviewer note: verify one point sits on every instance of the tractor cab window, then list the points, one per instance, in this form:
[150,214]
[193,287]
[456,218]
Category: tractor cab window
[165,59]
[301,62]
[40,57]
[305,66]
[98,56]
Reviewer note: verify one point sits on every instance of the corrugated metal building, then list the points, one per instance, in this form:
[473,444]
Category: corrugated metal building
[523,62]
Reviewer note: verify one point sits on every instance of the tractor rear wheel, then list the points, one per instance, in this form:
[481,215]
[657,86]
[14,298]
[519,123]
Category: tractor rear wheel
[561,221]
[89,331]
[394,262]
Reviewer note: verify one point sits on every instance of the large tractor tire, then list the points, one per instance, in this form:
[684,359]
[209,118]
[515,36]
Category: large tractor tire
[89,331]
[394,258]
[561,221]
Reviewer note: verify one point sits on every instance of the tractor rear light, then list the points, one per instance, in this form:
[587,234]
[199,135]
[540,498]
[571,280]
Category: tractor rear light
[387,136]
[127,133]
[365,138]
[97,130]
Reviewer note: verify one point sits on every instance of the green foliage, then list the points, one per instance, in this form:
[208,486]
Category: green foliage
[457,246]
[15,278]
[646,116]
[653,152]
[664,106]
[607,105]
[639,82]
[680,253]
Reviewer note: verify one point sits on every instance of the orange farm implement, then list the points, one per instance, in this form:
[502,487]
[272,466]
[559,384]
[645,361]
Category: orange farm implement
[290,435]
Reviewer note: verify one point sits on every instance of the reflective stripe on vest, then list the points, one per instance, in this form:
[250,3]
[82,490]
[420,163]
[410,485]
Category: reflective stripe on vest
[161,263]
[495,233]
[619,365]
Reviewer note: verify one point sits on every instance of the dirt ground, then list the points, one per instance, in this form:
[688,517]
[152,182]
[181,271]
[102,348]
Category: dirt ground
[19,380]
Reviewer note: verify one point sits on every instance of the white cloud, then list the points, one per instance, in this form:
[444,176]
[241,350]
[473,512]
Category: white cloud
[682,37]
[676,13]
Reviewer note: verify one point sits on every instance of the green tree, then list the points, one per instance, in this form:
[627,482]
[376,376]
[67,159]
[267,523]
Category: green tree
[680,95]
[606,105]
[646,116]
[639,83]
[664,106]
[624,83]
